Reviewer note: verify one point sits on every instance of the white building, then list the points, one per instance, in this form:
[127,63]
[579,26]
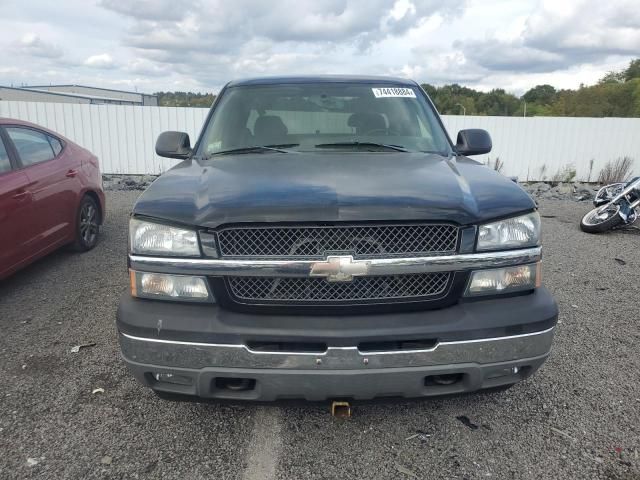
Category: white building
[76,94]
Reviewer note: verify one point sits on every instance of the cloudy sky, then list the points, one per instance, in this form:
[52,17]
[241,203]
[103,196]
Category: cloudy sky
[198,45]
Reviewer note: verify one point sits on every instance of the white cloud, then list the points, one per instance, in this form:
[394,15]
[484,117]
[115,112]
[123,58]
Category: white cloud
[202,44]
[171,10]
[559,35]
[103,60]
[32,44]
[147,68]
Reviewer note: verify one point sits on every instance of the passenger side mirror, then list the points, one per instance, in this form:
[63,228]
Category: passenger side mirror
[473,141]
[173,145]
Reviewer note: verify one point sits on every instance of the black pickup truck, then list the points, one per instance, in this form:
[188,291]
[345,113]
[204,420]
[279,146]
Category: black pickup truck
[325,239]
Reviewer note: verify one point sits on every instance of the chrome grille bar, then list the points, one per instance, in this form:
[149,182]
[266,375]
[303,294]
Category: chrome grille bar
[303,268]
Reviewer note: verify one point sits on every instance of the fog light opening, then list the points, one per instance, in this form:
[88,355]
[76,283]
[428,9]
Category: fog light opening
[173,378]
[518,372]
[235,384]
[443,380]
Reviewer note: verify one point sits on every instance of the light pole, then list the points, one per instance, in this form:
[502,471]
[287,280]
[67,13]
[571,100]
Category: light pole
[464,110]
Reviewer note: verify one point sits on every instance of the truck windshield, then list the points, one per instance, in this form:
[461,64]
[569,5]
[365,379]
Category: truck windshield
[322,117]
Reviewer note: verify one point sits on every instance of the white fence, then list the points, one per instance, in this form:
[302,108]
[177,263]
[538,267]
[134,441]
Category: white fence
[123,136]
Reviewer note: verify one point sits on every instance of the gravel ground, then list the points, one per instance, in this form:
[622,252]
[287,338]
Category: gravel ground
[579,417]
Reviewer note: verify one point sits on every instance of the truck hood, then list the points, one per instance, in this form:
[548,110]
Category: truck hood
[331,187]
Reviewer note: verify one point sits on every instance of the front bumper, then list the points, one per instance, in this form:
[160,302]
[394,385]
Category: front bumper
[337,373]
[318,385]
[480,344]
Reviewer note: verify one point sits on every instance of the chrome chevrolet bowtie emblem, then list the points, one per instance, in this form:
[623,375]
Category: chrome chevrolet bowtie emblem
[339,268]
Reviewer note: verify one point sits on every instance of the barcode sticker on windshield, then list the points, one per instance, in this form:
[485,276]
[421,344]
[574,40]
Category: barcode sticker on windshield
[393,92]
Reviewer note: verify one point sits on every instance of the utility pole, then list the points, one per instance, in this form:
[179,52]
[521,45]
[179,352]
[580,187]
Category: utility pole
[525,109]
[464,110]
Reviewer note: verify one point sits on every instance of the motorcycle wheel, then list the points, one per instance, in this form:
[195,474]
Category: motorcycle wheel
[601,219]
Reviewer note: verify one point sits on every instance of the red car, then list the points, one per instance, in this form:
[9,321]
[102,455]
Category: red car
[50,195]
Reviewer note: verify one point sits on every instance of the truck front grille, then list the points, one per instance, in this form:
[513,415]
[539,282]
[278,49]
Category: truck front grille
[315,242]
[318,290]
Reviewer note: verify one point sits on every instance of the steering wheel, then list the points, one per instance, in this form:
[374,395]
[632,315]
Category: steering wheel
[384,131]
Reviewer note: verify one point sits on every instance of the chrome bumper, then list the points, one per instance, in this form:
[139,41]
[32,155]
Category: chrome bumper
[191,355]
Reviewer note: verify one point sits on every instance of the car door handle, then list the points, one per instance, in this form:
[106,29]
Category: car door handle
[72,173]
[20,195]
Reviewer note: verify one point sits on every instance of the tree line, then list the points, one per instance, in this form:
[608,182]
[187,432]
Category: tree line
[617,94]
[185,99]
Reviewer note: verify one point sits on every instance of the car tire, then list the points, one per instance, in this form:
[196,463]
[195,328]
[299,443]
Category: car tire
[87,227]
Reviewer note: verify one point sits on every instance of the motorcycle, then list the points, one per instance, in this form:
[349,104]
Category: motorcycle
[616,205]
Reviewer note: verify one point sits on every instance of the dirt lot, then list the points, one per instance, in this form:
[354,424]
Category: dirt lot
[579,417]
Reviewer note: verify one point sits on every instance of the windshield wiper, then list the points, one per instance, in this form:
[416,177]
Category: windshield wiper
[395,148]
[259,148]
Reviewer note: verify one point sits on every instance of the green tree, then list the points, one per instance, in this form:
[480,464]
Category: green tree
[633,70]
[612,77]
[185,99]
[541,94]
[498,102]
[617,94]
[635,95]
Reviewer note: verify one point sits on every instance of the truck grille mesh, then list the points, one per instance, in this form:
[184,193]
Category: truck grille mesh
[318,290]
[315,242]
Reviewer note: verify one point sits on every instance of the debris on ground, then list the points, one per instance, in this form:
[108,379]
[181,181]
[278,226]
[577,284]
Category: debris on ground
[420,435]
[564,434]
[77,348]
[576,191]
[127,182]
[620,261]
[592,456]
[106,460]
[32,462]
[406,471]
[465,420]
[97,390]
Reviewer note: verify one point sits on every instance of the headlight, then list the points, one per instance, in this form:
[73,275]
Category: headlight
[504,280]
[169,287]
[149,238]
[517,232]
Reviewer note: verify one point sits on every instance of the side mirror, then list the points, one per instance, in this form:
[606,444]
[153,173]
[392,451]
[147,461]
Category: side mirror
[173,145]
[473,142]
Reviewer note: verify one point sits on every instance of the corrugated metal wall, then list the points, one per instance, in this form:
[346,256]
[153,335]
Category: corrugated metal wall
[123,137]
[529,145]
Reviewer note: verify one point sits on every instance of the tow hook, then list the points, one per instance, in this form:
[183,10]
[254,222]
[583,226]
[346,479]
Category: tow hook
[341,409]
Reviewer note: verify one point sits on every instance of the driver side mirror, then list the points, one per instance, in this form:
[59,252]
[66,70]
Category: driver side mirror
[173,145]
[473,141]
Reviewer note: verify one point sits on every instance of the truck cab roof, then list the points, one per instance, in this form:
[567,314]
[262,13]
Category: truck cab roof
[297,79]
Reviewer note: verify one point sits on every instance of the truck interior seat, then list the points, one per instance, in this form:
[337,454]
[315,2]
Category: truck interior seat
[270,130]
[367,122]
